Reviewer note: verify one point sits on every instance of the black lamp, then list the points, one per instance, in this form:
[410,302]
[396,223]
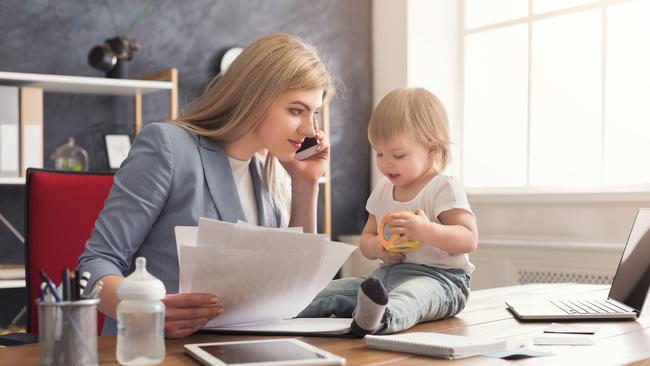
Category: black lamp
[113,55]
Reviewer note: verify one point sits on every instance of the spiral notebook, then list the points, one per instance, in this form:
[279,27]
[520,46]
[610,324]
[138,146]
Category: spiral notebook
[435,344]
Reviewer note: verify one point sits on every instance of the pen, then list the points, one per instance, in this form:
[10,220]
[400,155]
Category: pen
[83,282]
[74,285]
[65,280]
[50,285]
[96,290]
[43,286]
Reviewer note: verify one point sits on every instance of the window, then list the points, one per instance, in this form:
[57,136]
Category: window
[556,94]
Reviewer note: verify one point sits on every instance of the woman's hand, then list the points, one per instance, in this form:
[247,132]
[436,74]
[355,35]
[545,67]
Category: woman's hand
[187,313]
[309,171]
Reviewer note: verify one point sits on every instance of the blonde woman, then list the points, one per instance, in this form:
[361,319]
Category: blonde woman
[408,131]
[206,164]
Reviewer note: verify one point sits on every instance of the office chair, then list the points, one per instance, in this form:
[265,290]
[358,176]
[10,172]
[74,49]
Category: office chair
[60,212]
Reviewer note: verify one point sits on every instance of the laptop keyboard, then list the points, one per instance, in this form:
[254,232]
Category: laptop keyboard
[588,307]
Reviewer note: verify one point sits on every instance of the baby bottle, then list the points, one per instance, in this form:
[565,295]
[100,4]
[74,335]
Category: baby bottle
[140,318]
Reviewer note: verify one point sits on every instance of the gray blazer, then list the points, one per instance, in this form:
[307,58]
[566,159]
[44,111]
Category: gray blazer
[171,177]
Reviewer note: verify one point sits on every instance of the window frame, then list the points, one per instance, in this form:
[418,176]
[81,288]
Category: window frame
[529,193]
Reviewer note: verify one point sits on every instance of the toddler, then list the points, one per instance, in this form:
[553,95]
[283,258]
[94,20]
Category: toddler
[408,131]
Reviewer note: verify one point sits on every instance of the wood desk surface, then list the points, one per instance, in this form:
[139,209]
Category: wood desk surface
[616,342]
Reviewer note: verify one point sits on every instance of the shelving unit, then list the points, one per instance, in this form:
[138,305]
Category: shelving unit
[326,179]
[32,87]
[83,84]
[12,180]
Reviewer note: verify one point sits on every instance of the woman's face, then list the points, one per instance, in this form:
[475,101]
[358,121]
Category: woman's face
[288,121]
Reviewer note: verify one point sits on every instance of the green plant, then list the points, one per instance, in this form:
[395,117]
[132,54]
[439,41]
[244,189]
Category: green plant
[122,16]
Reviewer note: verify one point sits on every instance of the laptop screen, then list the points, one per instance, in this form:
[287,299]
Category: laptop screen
[632,279]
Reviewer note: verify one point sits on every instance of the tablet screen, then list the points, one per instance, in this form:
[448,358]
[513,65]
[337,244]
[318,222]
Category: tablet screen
[260,352]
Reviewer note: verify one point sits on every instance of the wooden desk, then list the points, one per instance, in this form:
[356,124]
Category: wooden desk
[618,342]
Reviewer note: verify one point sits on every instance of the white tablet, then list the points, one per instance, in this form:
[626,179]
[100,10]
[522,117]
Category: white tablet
[268,352]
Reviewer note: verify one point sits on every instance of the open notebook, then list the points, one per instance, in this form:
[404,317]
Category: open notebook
[435,344]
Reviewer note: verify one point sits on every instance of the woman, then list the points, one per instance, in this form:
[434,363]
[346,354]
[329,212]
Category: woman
[206,164]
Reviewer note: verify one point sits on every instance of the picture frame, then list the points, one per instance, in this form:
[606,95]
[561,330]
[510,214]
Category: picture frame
[117,149]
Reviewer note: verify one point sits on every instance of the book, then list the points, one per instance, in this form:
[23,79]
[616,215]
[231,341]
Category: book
[31,128]
[435,344]
[9,133]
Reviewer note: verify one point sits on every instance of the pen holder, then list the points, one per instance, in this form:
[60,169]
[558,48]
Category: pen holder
[67,332]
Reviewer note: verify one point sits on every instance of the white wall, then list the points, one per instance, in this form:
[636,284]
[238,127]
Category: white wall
[389,54]
[411,50]
[433,59]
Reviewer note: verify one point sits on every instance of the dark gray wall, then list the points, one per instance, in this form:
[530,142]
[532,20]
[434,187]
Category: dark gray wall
[54,37]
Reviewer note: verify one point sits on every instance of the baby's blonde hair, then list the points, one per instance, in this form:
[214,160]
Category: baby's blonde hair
[414,113]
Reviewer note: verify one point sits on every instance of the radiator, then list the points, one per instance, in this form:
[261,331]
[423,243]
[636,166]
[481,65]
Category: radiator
[511,262]
[541,276]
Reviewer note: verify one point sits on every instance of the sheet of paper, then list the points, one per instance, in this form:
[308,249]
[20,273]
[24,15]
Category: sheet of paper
[570,329]
[296,325]
[259,274]
[562,340]
[519,353]
[185,236]
[245,224]
[214,233]
[251,288]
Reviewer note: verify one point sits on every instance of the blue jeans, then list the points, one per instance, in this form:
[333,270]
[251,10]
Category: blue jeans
[416,294]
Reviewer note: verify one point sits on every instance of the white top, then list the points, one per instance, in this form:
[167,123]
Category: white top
[442,193]
[244,183]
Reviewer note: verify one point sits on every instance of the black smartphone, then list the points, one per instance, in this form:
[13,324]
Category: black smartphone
[307,149]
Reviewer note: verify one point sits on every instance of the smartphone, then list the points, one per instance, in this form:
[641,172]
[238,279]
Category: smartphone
[307,149]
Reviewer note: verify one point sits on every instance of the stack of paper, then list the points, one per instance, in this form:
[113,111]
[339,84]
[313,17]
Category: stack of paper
[260,274]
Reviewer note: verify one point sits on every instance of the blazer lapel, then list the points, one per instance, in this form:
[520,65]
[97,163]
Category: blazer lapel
[221,182]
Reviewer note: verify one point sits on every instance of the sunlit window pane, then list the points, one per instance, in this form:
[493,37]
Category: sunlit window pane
[543,6]
[627,118]
[495,127]
[566,128]
[484,12]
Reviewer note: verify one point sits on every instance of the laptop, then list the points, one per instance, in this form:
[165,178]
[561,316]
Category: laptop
[626,295]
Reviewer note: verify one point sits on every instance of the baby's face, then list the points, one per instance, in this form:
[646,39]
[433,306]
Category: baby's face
[404,160]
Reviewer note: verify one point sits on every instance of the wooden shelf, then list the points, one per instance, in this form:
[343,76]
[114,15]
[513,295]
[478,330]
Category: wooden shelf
[165,81]
[12,180]
[32,87]
[83,84]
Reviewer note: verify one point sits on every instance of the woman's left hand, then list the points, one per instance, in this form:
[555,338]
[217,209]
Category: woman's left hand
[310,170]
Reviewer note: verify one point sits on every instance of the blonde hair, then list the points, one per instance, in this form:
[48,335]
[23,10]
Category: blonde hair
[235,101]
[415,113]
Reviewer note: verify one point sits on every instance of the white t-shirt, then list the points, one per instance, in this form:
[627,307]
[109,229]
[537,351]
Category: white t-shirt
[442,193]
[244,183]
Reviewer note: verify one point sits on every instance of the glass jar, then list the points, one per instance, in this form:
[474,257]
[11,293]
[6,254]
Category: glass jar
[70,157]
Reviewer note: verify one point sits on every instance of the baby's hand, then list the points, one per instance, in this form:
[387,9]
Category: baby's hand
[386,256]
[411,227]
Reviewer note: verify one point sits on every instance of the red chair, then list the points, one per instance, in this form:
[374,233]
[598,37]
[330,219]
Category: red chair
[60,212]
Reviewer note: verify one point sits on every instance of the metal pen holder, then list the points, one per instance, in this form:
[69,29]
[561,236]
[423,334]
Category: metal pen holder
[67,332]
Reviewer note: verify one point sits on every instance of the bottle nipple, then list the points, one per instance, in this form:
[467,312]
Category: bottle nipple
[141,284]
